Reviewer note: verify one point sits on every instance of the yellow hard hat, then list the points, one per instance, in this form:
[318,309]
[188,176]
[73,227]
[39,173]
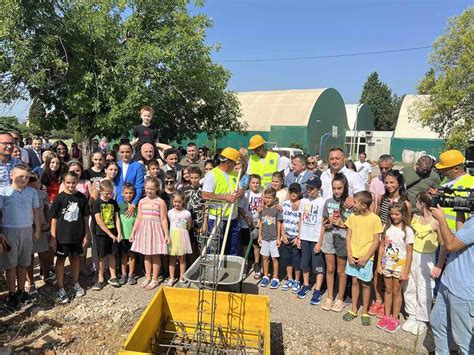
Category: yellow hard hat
[231,153]
[450,158]
[256,141]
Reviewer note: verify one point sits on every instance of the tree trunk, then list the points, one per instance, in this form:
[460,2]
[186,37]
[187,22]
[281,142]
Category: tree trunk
[86,151]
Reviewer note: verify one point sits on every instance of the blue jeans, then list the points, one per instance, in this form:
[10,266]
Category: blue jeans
[452,319]
[233,239]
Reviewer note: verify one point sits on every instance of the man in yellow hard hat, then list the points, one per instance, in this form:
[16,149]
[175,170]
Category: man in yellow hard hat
[262,162]
[220,184]
[451,165]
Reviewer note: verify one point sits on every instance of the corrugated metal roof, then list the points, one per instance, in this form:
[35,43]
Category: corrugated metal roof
[262,109]
[407,126]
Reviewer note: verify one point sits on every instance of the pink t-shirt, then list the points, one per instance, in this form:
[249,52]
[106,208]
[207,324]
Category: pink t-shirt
[377,187]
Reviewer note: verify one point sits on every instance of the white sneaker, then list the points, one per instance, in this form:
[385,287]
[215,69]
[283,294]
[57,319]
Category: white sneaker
[410,324]
[419,328]
[78,290]
[62,296]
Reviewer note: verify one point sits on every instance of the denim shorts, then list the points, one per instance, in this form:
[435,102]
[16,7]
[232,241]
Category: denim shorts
[364,273]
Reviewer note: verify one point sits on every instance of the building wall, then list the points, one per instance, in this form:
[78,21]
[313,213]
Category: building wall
[430,146]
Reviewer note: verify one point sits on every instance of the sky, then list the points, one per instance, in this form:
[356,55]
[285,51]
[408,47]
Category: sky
[261,29]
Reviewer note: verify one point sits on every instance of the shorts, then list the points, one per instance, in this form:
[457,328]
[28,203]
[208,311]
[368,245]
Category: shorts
[41,245]
[362,273]
[335,243]
[310,261]
[124,246]
[21,243]
[254,237]
[106,246]
[290,255]
[392,273]
[69,249]
[269,248]
[244,236]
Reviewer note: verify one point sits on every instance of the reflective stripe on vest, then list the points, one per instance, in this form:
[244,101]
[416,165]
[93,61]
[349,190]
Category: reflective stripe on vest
[223,186]
[265,170]
[466,182]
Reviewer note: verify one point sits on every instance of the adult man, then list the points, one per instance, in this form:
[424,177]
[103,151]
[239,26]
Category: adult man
[452,314]
[300,174]
[35,152]
[192,158]
[221,184]
[7,163]
[262,162]
[336,165]
[377,186]
[420,178]
[24,154]
[450,164]
[364,169]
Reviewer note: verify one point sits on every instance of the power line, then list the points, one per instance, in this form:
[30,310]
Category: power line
[323,56]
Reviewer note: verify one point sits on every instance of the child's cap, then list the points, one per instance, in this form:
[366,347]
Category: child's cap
[295,187]
[314,181]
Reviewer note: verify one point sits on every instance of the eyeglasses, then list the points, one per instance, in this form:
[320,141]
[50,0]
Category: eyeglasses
[311,163]
[7,144]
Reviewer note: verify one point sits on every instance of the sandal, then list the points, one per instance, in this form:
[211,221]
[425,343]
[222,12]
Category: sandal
[338,306]
[145,283]
[153,284]
[366,320]
[349,316]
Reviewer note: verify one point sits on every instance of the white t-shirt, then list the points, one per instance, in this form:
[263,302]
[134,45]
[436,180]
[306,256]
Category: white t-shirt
[311,218]
[356,183]
[363,169]
[209,185]
[250,204]
[395,247]
[291,219]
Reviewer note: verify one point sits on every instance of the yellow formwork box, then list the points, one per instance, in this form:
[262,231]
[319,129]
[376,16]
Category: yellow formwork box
[172,306]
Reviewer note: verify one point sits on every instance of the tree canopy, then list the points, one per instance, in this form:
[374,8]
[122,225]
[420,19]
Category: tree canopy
[426,85]
[385,107]
[450,110]
[93,64]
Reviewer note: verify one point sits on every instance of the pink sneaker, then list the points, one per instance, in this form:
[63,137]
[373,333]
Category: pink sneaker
[383,323]
[393,325]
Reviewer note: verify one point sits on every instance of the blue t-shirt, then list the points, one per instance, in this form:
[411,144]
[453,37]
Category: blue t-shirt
[6,169]
[458,276]
[17,206]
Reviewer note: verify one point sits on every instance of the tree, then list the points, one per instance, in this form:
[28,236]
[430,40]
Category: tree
[426,85]
[37,119]
[451,106]
[8,123]
[94,64]
[378,96]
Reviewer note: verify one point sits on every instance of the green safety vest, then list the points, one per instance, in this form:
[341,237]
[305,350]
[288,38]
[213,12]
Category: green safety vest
[265,170]
[223,186]
[466,182]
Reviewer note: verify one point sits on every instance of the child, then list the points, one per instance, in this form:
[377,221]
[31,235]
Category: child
[269,238]
[172,158]
[277,184]
[184,179]
[249,212]
[290,253]
[19,205]
[363,235]
[96,172]
[170,188]
[144,133]
[51,177]
[128,193]
[394,261]
[153,169]
[69,233]
[309,230]
[424,269]
[394,191]
[40,246]
[194,204]
[180,244]
[150,232]
[333,239]
[83,184]
[108,231]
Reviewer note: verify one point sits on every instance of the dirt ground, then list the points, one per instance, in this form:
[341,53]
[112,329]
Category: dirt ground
[99,322]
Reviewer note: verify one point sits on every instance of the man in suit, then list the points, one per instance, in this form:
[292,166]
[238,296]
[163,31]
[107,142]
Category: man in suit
[129,172]
[299,174]
[35,152]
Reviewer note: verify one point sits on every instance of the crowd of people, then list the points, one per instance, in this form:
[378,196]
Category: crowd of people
[141,208]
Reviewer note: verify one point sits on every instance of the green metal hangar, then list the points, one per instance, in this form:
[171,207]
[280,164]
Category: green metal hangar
[409,134]
[309,117]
